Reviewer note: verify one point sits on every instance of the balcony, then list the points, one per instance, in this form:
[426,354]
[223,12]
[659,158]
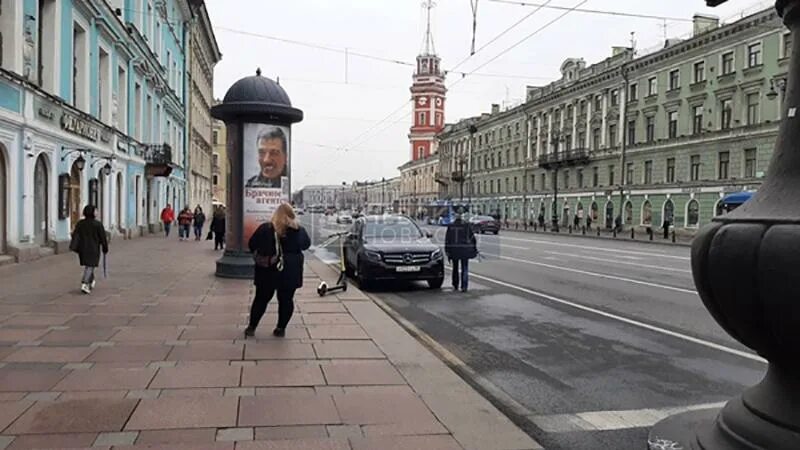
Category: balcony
[158,160]
[563,158]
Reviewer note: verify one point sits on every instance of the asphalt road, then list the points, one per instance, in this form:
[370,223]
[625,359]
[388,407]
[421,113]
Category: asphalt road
[585,343]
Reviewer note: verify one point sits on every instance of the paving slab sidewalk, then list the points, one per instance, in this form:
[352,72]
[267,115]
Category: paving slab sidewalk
[155,358]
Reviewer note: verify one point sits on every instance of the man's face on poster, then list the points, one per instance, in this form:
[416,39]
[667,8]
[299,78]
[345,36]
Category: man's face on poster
[271,158]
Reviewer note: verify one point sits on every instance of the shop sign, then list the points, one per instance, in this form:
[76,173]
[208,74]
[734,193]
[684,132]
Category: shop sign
[45,109]
[80,127]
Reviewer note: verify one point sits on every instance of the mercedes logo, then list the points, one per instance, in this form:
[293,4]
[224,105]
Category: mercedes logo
[407,258]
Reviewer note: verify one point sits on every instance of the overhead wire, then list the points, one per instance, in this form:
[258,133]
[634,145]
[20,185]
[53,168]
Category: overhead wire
[594,11]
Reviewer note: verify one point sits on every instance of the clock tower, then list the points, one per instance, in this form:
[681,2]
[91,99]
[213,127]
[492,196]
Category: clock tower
[428,93]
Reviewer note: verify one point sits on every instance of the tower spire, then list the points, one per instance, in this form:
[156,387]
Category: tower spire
[429,48]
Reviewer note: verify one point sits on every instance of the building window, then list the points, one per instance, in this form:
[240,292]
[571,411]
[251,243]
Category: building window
[579,176]
[724,164]
[648,172]
[633,92]
[697,119]
[543,182]
[727,63]
[726,112]
[122,99]
[595,176]
[752,108]
[583,107]
[631,132]
[533,182]
[672,119]
[215,137]
[215,179]
[699,71]
[80,79]
[566,179]
[754,55]
[750,165]
[786,45]
[422,121]
[614,97]
[692,214]
[629,173]
[694,168]
[611,175]
[598,103]
[612,135]
[670,178]
[650,128]
[652,86]
[596,139]
[674,79]
[581,139]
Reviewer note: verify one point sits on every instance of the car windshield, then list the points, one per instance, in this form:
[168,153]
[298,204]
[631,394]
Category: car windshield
[391,228]
[481,219]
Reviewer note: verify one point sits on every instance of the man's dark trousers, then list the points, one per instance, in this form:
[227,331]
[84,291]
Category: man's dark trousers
[462,278]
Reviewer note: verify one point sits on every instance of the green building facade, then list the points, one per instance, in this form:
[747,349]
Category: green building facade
[660,136]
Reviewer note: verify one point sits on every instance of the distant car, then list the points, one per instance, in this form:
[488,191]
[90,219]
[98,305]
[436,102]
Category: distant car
[484,224]
[299,211]
[392,248]
[344,218]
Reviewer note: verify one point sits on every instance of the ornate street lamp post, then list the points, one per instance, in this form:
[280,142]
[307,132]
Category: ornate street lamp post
[744,265]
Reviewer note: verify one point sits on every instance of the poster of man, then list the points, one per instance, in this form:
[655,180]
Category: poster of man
[266,171]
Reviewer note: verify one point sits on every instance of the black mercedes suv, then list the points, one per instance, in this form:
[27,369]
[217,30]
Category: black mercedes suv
[391,247]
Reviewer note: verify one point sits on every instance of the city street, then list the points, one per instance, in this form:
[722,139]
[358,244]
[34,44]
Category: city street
[585,342]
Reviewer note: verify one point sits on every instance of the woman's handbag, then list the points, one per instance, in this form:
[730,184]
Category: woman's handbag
[271,261]
[210,235]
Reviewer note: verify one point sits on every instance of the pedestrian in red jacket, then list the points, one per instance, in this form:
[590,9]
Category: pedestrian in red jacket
[185,219]
[167,217]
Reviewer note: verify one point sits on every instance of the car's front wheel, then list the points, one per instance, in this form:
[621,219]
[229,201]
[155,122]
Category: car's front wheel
[436,283]
[363,281]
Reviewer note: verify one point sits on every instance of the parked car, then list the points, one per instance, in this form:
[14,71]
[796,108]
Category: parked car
[392,248]
[484,224]
[344,218]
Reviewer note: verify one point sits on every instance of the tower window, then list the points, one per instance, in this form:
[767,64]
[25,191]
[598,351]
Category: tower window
[422,119]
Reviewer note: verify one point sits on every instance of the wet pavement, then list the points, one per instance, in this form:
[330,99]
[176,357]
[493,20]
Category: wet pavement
[585,342]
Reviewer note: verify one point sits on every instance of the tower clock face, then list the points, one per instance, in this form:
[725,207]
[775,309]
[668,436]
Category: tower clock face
[422,101]
[438,102]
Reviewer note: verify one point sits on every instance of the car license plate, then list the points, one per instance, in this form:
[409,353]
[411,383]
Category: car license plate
[408,268]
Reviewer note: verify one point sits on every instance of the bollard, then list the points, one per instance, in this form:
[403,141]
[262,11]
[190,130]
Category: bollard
[614,232]
[633,233]
[583,230]
[570,229]
[535,227]
[673,236]
[598,231]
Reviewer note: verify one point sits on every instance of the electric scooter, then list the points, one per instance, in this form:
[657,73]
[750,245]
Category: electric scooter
[341,283]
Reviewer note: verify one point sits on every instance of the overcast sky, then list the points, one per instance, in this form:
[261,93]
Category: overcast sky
[340,108]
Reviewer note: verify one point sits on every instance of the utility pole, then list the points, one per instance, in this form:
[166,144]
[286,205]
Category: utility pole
[528,157]
[383,191]
[472,130]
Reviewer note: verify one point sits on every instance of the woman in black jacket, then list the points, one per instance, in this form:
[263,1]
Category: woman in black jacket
[218,228]
[278,249]
[88,238]
[460,246]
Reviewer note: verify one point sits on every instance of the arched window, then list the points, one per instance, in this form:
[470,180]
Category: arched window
[693,214]
[629,213]
[669,212]
[609,215]
[647,213]
[594,211]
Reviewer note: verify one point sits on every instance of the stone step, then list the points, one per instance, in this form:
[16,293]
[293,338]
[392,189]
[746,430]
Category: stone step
[6,259]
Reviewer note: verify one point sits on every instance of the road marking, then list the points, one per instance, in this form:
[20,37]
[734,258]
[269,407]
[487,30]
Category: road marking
[597,274]
[616,317]
[605,249]
[605,260]
[501,245]
[610,420]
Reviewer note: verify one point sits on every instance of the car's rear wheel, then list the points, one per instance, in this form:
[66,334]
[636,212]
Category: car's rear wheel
[496,231]
[436,283]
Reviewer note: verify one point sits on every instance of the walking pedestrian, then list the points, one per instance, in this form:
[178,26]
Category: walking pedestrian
[589,222]
[277,247]
[199,221]
[88,238]
[666,226]
[167,217]
[185,219]
[460,246]
[218,227]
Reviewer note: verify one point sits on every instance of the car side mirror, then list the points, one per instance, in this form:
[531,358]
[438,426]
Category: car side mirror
[428,234]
